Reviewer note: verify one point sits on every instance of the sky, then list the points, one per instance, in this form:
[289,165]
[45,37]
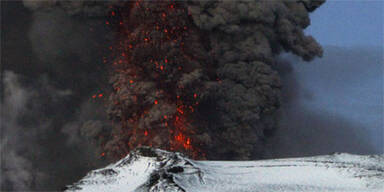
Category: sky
[348,81]
[348,23]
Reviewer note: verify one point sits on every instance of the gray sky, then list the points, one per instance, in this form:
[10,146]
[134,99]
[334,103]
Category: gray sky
[348,82]
[348,23]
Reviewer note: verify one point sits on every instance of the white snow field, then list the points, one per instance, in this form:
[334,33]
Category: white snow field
[154,170]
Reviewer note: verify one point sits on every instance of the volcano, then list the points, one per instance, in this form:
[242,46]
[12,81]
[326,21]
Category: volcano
[85,83]
[154,170]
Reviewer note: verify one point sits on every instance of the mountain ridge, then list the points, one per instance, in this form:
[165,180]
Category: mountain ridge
[155,170]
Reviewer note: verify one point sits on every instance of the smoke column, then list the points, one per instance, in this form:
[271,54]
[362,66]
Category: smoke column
[232,100]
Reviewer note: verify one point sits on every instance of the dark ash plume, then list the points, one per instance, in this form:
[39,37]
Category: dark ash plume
[238,88]
[52,66]
[245,38]
[159,78]
[225,77]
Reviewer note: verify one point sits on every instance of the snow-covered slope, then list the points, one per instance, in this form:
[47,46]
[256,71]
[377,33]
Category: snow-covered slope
[154,170]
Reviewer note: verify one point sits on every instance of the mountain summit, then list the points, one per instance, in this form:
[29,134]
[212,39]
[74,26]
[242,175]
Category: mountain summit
[154,170]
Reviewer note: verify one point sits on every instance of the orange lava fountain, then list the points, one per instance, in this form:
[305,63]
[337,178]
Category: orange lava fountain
[150,63]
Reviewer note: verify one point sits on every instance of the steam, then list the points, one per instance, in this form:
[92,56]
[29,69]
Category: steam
[17,169]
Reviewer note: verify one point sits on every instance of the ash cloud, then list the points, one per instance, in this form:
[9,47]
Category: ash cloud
[246,37]
[239,88]
[51,67]
[15,168]
[242,39]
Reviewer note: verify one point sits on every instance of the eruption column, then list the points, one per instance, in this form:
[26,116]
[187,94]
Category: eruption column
[155,77]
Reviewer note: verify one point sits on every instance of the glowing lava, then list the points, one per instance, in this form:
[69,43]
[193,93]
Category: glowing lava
[152,98]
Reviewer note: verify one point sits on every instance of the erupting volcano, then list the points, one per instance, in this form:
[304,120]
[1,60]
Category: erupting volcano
[199,77]
[87,82]
[157,77]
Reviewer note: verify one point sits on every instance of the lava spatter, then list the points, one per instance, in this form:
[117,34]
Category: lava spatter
[155,77]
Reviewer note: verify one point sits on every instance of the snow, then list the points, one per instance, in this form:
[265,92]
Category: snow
[166,171]
[124,178]
[298,174]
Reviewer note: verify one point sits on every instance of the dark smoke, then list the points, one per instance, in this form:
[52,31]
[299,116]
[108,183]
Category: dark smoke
[159,77]
[245,38]
[51,66]
[238,89]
